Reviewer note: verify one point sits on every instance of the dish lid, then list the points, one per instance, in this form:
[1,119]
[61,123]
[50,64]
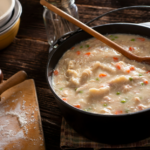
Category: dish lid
[15,16]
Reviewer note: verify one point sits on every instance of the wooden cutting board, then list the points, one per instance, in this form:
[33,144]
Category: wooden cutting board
[20,121]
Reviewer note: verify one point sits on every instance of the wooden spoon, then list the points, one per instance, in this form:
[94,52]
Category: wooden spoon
[12,81]
[95,33]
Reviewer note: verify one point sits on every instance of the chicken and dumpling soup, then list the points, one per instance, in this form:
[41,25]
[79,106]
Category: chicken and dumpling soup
[94,77]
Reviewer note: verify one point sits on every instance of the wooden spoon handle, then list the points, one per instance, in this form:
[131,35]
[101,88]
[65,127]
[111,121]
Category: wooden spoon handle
[90,31]
[12,81]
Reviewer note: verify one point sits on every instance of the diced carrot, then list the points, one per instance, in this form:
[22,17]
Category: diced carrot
[118,66]
[115,58]
[131,48]
[78,52]
[88,54]
[140,107]
[102,75]
[72,48]
[77,106]
[145,82]
[118,112]
[55,72]
[128,71]
[101,86]
[64,99]
[89,48]
[141,39]
[148,71]
[132,68]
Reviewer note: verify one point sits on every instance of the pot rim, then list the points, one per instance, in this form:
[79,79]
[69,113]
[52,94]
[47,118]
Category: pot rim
[80,110]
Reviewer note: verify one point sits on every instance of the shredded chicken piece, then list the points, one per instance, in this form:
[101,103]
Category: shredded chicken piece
[137,99]
[121,79]
[71,64]
[71,73]
[99,92]
[85,75]
[74,82]
[106,67]
[64,93]
[107,98]
[105,111]
[126,88]
[83,87]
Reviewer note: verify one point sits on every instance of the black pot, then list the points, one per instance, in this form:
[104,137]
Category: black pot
[112,129]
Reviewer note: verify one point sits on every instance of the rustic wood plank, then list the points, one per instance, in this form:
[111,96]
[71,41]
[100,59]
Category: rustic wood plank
[32,25]
[132,16]
[114,3]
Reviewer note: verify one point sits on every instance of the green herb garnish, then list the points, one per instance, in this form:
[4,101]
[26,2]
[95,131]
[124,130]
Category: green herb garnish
[104,104]
[61,88]
[116,36]
[76,89]
[118,93]
[131,79]
[132,39]
[81,46]
[140,74]
[80,91]
[142,83]
[123,101]
[88,109]
[87,46]
[127,110]
[112,39]
[85,109]
[97,79]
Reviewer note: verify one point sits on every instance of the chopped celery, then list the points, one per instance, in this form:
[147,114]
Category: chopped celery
[118,93]
[123,101]
[131,79]
[104,104]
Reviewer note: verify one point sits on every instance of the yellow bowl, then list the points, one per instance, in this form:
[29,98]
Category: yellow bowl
[8,37]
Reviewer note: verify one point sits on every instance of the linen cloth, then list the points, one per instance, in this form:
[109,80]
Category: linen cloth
[70,139]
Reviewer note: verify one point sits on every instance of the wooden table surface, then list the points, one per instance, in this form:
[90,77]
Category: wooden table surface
[29,52]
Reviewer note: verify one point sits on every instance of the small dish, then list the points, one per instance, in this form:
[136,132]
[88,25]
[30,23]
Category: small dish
[10,29]
[6,8]
[9,36]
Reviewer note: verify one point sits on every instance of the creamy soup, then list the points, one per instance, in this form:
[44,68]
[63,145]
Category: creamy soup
[94,77]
